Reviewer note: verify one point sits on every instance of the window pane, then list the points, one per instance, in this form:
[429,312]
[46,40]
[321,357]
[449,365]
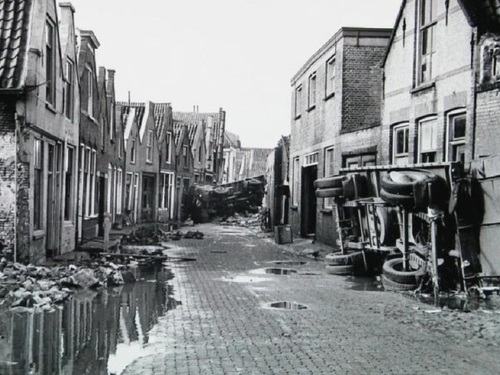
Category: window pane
[459,124]
[401,141]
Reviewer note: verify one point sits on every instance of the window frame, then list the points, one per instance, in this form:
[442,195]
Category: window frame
[298,101]
[296,181]
[68,95]
[90,90]
[69,173]
[168,156]
[426,20]
[133,150]
[434,139]
[405,127]
[330,75]
[454,143]
[312,91]
[149,146]
[50,62]
[38,190]
[328,171]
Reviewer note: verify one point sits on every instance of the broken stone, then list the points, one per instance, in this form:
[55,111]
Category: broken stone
[84,278]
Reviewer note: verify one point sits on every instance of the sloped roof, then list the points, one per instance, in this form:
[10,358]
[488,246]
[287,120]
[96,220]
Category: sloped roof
[179,133]
[130,113]
[258,159]
[231,140]
[195,117]
[484,14]
[191,129]
[15,22]
[161,118]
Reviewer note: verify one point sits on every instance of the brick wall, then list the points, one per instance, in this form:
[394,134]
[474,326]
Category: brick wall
[362,85]
[487,123]
[7,174]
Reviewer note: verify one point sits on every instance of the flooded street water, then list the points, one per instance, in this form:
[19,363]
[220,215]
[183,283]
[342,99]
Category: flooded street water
[92,333]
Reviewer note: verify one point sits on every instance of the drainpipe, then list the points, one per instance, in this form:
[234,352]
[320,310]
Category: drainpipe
[474,96]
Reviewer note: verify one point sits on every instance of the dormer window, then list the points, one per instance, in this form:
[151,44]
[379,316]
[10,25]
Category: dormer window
[68,90]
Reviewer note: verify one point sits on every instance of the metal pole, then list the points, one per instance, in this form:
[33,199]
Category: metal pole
[339,229]
[406,260]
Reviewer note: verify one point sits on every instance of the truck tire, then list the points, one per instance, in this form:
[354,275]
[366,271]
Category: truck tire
[393,271]
[339,270]
[394,286]
[407,201]
[329,182]
[338,259]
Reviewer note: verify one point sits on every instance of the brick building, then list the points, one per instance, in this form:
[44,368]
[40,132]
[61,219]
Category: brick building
[91,142]
[39,116]
[335,121]
[184,170]
[214,124]
[166,149]
[196,132]
[142,161]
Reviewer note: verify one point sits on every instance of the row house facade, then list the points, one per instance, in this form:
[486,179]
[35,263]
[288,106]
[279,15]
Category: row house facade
[40,113]
[184,170]
[214,124]
[142,161]
[335,121]
[437,85]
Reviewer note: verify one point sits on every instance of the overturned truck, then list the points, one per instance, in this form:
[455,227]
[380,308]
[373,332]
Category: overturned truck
[208,202]
[427,226]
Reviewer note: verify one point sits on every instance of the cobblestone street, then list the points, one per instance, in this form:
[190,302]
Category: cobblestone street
[224,324]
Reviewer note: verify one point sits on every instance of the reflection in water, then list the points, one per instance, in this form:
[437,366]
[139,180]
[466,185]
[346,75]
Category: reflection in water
[93,333]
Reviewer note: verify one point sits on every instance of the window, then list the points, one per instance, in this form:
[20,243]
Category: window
[50,87]
[400,144]
[86,181]
[119,145]
[312,90]
[495,66]
[298,100]
[167,180]
[426,21]
[185,156]
[329,171]
[149,147]
[296,176]
[90,91]
[68,179]
[37,184]
[330,77]
[168,148]
[132,150]
[93,182]
[112,121]
[119,191]
[311,159]
[68,90]
[457,125]
[427,145]
[360,160]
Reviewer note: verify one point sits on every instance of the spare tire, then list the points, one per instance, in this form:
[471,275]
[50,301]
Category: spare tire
[338,259]
[339,270]
[394,286]
[393,270]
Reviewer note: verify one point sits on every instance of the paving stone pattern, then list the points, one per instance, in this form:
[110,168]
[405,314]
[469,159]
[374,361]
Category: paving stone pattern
[224,325]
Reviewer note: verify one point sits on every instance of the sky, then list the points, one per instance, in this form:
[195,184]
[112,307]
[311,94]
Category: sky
[236,54]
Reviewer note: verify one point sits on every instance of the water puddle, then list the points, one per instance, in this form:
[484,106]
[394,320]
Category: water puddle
[288,262]
[179,259]
[461,302]
[280,271]
[92,333]
[244,279]
[364,284]
[287,305]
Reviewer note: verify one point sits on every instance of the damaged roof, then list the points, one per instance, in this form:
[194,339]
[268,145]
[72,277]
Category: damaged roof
[129,113]
[484,14]
[15,22]
[195,117]
[161,117]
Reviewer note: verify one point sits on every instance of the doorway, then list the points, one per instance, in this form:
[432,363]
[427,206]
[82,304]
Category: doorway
[148,194]
[53,200]
[308,201]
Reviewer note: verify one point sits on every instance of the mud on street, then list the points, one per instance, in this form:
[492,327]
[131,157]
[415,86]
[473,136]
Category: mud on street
[235,302]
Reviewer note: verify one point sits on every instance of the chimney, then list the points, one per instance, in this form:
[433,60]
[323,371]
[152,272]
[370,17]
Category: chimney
[102,74]
[110,84]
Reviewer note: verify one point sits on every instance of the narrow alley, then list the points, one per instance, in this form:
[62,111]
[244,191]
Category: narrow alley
[225,323]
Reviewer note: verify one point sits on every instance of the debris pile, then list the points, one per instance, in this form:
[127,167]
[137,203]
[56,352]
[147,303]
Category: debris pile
[42,287]
[207,202]
[242,220]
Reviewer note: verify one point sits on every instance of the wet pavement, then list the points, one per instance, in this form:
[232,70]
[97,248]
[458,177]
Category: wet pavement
[240,304]
[92,333]
[237,318]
